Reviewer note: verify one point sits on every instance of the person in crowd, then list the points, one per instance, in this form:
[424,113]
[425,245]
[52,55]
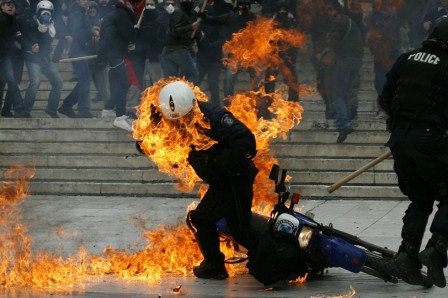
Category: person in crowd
[412,12]
[209,56]
[117,29]
[228,169]
[384,40]
[344,40]
[316,22]
[9,49]
[286,19]
[38,34]
[177,59]
[2,82]
[441,9]
[149,43]
[104,8]
[235,22]
[62,35]
[100,75]
[81,34]
[415,99]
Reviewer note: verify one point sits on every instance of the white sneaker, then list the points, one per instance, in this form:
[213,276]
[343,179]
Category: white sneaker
[108,114]
[123,122]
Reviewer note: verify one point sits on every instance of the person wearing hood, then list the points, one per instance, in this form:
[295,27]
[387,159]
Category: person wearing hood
[38,34]
[81,33]
[116,33]
[177,59]
[149,44]
[415,98]
[9,35]
[234,21]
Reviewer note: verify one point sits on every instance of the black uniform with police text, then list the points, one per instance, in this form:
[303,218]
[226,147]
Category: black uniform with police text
[228,169]
[416,99]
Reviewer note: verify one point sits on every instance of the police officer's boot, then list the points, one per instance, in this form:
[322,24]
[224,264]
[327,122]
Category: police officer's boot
[434,256]
[211,269]
[408,263]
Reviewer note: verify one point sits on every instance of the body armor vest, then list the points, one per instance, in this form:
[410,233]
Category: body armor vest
[422,91]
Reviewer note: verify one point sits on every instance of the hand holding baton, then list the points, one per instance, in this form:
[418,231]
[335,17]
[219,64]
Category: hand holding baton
[204,4]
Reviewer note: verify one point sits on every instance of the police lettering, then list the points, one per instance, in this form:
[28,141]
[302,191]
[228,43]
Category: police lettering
[425,58]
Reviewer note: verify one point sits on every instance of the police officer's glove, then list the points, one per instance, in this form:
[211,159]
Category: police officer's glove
[200,161]
[156,116]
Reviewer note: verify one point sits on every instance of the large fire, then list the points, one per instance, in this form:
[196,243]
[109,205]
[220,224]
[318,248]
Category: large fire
[169,249]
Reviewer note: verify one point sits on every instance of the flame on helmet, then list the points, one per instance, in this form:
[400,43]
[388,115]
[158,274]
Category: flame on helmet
[168,142]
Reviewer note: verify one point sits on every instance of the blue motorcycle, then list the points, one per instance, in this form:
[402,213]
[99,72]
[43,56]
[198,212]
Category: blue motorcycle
[293,243]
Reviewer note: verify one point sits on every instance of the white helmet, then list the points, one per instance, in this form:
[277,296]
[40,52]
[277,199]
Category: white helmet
[44,5]
[176,100]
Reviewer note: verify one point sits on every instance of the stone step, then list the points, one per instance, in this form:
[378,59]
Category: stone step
[168,190]
[127,148]
[296,137]
[152,175]
[36,123]
[141,162]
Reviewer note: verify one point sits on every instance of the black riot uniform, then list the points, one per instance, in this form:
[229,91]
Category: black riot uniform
[415,97]
[228,169]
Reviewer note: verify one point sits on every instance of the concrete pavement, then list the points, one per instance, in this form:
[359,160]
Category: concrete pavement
[98,222]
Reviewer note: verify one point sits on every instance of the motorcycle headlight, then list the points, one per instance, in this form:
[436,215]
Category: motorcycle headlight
[305,236]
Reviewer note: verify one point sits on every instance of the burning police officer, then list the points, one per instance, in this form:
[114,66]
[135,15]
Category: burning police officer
[226,166]
[415,97]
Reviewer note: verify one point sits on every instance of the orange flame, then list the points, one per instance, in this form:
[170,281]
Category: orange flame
[167,142]
[169,249]
[258,45]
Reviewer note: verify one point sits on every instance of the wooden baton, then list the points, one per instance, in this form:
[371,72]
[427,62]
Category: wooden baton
[74,59]
[359,171]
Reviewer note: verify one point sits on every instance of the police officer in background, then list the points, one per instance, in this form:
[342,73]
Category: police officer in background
[415,97]
[228,169]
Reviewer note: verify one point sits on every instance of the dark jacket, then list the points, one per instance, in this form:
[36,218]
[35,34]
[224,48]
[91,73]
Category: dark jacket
[151,35]
[345,38]
[417,85]
[236,145]
[233,21]
[117,31]
[31,35]
[79,29]
[179,31]
[8,28]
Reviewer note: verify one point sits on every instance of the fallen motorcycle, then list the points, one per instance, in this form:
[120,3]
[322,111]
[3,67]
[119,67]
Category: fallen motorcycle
[320,246]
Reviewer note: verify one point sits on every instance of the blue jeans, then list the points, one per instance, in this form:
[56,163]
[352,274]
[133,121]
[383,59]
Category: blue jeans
[13,98]
[118,86]
[345,73]
[51,72]
[179,63]
[80,94]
